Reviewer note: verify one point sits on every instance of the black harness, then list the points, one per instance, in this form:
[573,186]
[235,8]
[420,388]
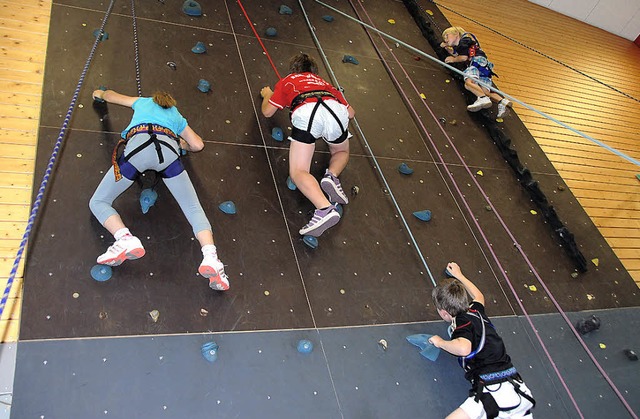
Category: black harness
[320,95]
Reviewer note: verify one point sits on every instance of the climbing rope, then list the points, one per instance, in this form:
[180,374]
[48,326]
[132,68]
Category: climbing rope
[505,227]
[368,147]
[135,47]
[48,171]
[534,50]
[490,87]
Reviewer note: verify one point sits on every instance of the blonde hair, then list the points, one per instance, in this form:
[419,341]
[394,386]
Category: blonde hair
[164,99]
[451,296]
[453,29]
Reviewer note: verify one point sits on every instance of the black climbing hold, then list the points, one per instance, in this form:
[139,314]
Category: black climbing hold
[588,324]
[210,351]
[104,36]
[172,65]
[327,18]
[277,134]
[442,120]
[228,207]
[285,10]
[631,355]
[448,273]
[192,8]
[350,59]
[355,190]
[271,32]
[424,215]
[405,169]
[204,86]
[101,273]
[199,48]
[310,241]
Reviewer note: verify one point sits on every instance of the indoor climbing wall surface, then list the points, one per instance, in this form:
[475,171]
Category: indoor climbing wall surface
[366,271]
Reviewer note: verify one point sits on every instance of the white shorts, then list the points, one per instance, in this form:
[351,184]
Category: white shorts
[505,396]
[324,125]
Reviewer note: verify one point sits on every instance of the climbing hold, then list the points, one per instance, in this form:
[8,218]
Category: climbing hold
[292,186]
[587,325]
[101,273]
[155,315]
[355,190]
[638,176]
[533,212]
[447,81]
[595,261]
[228,207]
[453,122]
[383,344]
[192,8]
[271,32]
[327,18]
[104,36]
[488,208]
[631,356]
[172,65]
[499,120]
[423,96]
[305,346]
[277,134]
[561,188]
[210,351]
[424,215]
[97,99]
[339,209]
[416,58]
[448,273]
[183,152]
[199,48]
[405,169]
[285,10]
[350,59]
[533,288]
[148,198]
[429,12]
[204,86]
[602,345]
[574,274]
[310,241]
[391,21]
[427,349]
[442,120]
[480,173]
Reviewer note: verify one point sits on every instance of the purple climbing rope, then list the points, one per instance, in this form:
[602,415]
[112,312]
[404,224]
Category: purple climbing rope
[48,171]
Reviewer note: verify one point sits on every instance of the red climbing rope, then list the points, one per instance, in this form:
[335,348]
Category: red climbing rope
[259,40]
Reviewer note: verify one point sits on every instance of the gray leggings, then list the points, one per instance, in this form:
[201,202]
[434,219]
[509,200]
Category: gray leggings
[180,186]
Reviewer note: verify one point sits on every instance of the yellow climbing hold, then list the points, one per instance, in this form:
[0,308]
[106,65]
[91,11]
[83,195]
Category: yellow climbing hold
[429,12]
[391,21]
[447,81]
[533,288]
[499,120]
[423,96]
[533,212]
[602,346]
[266,293]
[590,297]
[480,173]
[595,261]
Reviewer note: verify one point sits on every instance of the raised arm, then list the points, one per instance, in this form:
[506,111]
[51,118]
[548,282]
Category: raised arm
[267,108]
[473,291]
[112,96]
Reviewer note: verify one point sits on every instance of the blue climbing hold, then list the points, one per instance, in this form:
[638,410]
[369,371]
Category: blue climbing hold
[310,241]
[199,48]
[228,207]
[271,32]
[292,186]
[210,351]
[339,209]
[192,8]
[327,18]
[148,198]
[101,273]
[305,346]
[97,99]
[104,36]
[424,215]
[448,274]
[350,59]
[277,134]
[405,169]
[285,10]
[427,350]
[183,152]
[204,86]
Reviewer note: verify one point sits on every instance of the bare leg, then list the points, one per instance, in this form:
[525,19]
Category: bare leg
[474,88]
[205,237]
[458,414]
[300,155]
[113,224]
[339,157]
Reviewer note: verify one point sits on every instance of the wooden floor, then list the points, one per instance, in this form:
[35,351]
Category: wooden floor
[604,183]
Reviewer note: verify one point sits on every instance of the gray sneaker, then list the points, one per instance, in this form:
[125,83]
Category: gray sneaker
[331,186]
[480,103]
[503,105]
[322,220]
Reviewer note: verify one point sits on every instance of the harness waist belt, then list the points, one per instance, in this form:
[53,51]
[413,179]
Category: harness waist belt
[302,97]
[155,129]
[492,377]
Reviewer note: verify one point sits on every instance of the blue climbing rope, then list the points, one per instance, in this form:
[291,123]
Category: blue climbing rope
[135,47]
[364,139]
[493,89]
[47,173]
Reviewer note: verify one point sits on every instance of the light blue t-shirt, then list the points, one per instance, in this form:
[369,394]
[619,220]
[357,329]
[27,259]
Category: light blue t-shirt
[146,111]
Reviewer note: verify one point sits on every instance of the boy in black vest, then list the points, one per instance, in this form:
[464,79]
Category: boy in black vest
[497,389]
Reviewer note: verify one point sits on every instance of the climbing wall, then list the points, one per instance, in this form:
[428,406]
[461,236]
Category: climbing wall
[370,277]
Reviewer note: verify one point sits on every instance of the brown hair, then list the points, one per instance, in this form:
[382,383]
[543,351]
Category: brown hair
[451,296]
[164,99]
[302,63]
